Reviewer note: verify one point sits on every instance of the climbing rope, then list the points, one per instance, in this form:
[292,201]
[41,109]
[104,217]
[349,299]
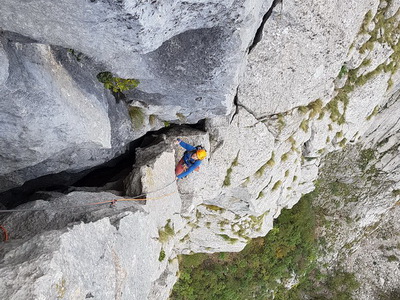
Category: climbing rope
[111,202]
[5,234]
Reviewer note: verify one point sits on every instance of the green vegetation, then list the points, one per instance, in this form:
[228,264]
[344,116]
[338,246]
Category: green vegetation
[343,71]
[116,84]
[254,272]
[315,107]
[392,258]
[165,233]
[285,156]
[270,163]
[61,288]
[266,264]
[137,116]
[162,255]
[228,238]
[78,55]
[281,122]
[181,117]
[276,185]
[373,113]
[304,125]
[214,208]
[227,180]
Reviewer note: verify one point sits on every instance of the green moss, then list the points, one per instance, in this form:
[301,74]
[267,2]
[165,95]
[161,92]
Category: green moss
[161,257]
[365,23]
[343,142]
[315,108]
[281,122]
[165,233]
[285,156]
[137,116]
[276,185]
[270,163]
[366,157]
[181,117]
[116,84]
[227,180]
[343,71]
[303,109]
[304,125]
[373,113]
[392,258]
[339,134]
[61,289]
[228,238]
[214,208]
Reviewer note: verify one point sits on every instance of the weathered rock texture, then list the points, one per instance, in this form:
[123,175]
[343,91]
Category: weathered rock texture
[324,77]
[54,117]
[185,53]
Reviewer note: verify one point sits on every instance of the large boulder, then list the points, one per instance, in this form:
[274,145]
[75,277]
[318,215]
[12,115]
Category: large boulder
[54,116]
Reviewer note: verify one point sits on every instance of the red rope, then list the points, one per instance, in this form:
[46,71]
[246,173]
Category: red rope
[5,234]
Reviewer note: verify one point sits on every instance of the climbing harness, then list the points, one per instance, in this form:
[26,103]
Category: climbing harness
[110,202]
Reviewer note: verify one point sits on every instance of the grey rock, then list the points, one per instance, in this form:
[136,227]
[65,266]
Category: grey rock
[300,54]
[54,116]
[184,53]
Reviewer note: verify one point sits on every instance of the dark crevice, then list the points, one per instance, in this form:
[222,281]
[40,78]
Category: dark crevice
[259,33]
[113,171]
[236,103]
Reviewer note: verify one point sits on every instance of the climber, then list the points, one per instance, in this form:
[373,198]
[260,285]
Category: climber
[191,159]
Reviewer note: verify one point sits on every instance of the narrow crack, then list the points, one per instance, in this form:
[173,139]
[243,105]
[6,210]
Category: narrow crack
[236,103]
[259,33]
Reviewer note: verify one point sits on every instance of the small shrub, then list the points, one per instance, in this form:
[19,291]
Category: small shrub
[392,258]
[303,109]
[343,71]
[166,232]
[228,238]
[181,117]
[116,84]
[162,255]
[315,107]
[137,116]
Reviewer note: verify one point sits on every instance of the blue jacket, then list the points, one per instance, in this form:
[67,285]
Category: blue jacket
[189,161]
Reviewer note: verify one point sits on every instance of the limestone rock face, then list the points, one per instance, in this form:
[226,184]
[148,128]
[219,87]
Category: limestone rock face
[75,248]
[185,53]
[53,116]
[323,78]
[302,50]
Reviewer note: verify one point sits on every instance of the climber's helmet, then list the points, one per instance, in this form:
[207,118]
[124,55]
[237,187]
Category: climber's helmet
[201,154]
